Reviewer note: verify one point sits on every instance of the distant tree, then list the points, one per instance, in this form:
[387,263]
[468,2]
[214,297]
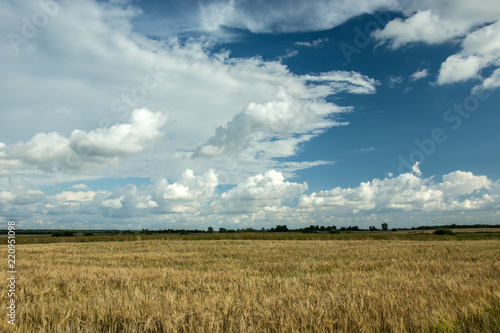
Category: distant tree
[281,228]
[88,234]
[334,231]
[222,230]
[385,226]
[210,230]
[372,228]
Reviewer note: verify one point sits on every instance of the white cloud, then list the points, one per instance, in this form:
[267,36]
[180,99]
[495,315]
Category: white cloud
[265,200]
[407,192]
[78,187]
[480,49]
[276,127]
[459,68]
[259,193]
[73,198]
[115,203]
[421,27]
[420,74]
[272,123]
[103,145]
[315,43]
[186,195]
[490,83]
[474,25]
[90,49]
[460,183]
[20,192]
[335,82]
[286,15]
[395,80]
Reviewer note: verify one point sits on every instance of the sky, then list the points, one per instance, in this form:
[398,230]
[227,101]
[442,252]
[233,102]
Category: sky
[247,114]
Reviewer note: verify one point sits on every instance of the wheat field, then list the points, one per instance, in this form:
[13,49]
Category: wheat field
[258,286]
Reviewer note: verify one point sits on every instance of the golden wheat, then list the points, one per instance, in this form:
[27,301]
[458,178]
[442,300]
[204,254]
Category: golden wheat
[257,286]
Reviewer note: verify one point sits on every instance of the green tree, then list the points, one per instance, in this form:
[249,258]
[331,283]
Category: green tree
[281,228]
[210,230]
[222,230]
[384,226]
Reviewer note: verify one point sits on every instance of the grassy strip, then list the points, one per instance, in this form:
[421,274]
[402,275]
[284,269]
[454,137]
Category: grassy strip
[383,236]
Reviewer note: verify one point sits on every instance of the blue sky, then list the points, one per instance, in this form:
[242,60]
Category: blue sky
[189,114]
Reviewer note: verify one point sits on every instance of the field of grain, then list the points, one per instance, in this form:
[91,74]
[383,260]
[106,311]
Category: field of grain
[258,286]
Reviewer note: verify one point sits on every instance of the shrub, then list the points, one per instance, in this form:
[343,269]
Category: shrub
[88,234]
[444,231]
[334,231]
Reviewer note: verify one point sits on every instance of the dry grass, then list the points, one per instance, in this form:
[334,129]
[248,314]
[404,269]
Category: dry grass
[258,286]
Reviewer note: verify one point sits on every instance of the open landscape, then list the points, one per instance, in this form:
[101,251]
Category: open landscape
[250,166]
[322,283]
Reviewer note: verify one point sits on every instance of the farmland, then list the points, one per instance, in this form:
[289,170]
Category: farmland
[317,283]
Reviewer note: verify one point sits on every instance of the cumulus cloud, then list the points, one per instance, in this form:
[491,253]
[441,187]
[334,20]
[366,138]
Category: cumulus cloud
[407,192]
[458,68]
[259,193]
[277,120]
[423,26]
[20,192]
[480,49]
[266,199]
[275,128]
[460,183]
[490,83]
[474,25]
[48,150]
[186,195]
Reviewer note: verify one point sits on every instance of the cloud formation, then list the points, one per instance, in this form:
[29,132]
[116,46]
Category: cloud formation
[53,152]
[91,49]
[408,192]
[265,199]
[275,128]
[261,193]
[420,74]
[285,15]
[284,122]
[475,25]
